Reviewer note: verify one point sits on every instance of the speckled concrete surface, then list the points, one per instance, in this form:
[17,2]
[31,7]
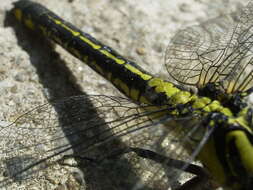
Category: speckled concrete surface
[139,30]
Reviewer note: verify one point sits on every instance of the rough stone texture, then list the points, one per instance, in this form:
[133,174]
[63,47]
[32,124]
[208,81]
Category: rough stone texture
[139,30]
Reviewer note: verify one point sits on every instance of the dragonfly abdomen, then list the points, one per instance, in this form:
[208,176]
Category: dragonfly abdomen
[129,78]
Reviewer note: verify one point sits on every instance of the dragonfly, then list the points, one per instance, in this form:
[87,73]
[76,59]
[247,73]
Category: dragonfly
[166,124]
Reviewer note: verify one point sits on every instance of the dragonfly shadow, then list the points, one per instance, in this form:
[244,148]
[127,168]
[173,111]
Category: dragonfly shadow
[72,114]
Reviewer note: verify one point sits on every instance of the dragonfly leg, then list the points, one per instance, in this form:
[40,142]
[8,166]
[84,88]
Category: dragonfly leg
[201,175]
[170,162]
[201,178]
[144,153]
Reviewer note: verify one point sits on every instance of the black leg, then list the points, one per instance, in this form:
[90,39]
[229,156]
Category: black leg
[178,164]
[201,174]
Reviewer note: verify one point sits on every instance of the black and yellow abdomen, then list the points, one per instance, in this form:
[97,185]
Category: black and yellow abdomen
[127,76]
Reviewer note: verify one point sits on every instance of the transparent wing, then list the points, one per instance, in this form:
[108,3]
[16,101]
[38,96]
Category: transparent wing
[217,51]
[94,126]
